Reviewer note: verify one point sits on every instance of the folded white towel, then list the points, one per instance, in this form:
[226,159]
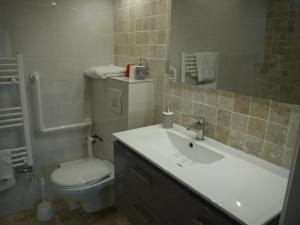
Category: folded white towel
[5,164]
[206,66]
[7,175]
[103,72]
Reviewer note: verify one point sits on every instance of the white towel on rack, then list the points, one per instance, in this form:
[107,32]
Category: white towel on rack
[7,175]
[103,72]
[206,66]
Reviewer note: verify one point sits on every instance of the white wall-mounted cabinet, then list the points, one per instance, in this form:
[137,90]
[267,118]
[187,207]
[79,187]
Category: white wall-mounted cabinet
[120,104]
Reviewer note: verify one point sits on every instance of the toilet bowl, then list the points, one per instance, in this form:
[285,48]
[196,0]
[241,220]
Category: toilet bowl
[85,183]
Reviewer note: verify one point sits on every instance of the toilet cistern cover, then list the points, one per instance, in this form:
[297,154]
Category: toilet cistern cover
[80,173]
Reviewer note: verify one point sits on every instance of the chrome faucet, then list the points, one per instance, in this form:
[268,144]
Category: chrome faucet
[199,126]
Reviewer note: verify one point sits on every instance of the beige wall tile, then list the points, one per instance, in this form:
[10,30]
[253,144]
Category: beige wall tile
[176,103]
[292,138]
[153,37]
[132,13]
[187,107]
[139,11]
[139,37]
[295,118]
[254,146]
[280,113]
[276,134]
[241,104]
[163,6]
[221,134]
[259,108]
[153,23]
[161,37]
[224,118]
[209,129]
[288,157]
[210,114]
[211,98]
[146,23]
[198,109]
[187,92]
[226,100]
[177,89]
[177,117]
[236,139]
[256,127]
[239,122]
[199,95]
[272,153]
[185,119]
[139,25]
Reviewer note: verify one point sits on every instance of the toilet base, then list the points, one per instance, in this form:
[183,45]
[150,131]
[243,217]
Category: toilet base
[103,199]
[91,197]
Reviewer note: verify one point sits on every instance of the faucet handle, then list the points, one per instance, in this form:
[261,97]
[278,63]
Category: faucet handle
[200,119]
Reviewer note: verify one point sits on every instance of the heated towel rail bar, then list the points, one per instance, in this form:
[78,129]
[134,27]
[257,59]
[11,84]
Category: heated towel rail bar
[12,72]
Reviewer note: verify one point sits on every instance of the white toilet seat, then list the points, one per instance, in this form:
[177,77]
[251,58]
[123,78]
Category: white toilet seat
[94,192]
[81,173]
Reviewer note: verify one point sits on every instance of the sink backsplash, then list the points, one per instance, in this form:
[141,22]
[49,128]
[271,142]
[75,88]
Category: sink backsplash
[264,128]
[261,127]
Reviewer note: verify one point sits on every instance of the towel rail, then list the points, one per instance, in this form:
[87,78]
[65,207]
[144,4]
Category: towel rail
[8,71]
[10,115]
[11,109]
[40,126]
[11,125]
[18,156]
[8,64]
[9,77]
[188,66]
[20,164]
[7,59]
[8,82]
[12,150]
[24,108]
[22,159]
[12,72]
[11,120]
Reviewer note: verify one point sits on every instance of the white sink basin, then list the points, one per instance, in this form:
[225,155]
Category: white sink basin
[192,150]
[245,187]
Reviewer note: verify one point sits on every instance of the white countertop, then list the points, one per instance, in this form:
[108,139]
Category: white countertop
[131,81]
[246,188]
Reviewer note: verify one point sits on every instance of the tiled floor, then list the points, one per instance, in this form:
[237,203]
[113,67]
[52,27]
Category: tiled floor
[66,217]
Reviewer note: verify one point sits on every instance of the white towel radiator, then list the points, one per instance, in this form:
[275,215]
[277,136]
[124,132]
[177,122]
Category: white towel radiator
[16,117]
[188,66]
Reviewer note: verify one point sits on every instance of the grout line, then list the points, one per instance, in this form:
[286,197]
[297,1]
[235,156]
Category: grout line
[268,119]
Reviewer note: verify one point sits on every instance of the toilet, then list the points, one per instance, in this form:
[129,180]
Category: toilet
[85,183]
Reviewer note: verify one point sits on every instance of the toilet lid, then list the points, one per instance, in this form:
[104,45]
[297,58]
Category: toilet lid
[80,172]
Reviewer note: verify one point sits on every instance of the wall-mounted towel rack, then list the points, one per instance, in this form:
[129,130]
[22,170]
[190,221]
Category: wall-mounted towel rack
[12,72]
[188,66]
[40,125]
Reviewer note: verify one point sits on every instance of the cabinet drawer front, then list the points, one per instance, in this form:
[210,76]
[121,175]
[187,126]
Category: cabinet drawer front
[168,198]
[135,209]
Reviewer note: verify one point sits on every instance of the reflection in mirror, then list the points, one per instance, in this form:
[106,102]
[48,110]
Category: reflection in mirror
[251,47]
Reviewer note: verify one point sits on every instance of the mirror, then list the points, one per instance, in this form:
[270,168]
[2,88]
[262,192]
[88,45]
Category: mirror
[251,47]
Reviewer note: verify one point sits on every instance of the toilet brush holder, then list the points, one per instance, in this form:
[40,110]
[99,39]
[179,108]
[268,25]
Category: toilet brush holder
[45,211]
[167,120]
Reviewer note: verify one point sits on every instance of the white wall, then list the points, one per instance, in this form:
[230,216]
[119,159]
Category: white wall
[60,39]
[234,28]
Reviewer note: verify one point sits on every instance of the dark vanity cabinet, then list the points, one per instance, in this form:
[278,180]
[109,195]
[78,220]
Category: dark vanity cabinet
[148,196]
